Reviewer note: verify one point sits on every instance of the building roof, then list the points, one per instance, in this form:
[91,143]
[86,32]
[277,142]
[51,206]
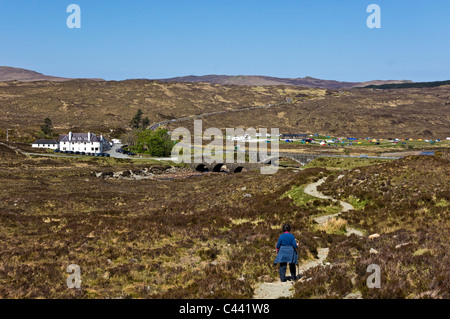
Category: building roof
[80,137]
[46,142]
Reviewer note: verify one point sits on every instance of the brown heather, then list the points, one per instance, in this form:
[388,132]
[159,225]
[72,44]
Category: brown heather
[200,237]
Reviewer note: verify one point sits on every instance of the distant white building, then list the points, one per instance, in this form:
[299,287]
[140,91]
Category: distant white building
[51,144]
[83,142]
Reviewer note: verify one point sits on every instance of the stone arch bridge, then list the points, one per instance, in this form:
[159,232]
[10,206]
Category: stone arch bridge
[204,166]
[214,166]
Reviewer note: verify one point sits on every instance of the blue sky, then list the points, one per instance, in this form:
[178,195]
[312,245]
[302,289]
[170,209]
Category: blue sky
[158,39]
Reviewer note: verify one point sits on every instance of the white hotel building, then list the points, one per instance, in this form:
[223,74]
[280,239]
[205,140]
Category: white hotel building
[83,142]
[50,144]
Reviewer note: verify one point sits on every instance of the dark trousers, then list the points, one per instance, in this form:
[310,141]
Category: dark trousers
[283,267]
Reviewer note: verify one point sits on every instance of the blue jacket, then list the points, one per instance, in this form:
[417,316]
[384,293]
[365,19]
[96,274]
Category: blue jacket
[286,247]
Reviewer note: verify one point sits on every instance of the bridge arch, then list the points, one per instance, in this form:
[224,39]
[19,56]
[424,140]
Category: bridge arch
[202,168]
[239,169]
[220,167]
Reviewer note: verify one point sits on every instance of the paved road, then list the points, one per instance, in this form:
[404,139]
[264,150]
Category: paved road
[37,154]
[156,125]
[114,154]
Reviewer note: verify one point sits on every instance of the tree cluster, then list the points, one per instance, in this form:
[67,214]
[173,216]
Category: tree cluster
[47,128]
[156,143]
[138,122]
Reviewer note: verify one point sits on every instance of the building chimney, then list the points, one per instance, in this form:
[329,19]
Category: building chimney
[70,136]
[89,136]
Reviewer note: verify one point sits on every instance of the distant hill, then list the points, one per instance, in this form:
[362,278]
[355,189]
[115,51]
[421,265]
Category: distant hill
[257,80]
[17,74]
[409,85]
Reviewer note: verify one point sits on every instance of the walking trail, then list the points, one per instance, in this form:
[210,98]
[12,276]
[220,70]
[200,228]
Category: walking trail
[278,289]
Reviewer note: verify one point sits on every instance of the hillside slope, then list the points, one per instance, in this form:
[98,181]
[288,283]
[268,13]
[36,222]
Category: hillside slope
[403,113]
[257,80]
[23,75]
[16,74]
[102,106]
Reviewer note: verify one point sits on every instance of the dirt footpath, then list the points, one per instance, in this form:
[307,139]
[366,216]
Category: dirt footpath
[278,289]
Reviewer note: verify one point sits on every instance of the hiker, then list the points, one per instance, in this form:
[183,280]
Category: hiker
[287,253]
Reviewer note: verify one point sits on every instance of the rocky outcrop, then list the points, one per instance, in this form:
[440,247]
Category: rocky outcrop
[138,174]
